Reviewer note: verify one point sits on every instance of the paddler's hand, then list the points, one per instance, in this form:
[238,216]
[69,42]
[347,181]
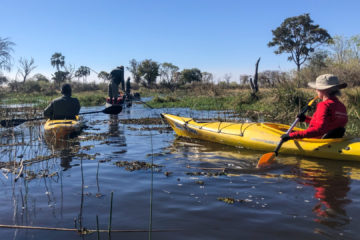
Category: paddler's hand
[285,137]
[301,117]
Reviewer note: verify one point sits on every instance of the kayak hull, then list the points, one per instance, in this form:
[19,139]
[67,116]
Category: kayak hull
[124,104]
[61,129]
[264,137]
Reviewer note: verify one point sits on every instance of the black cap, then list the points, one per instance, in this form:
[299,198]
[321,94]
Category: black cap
[66,89]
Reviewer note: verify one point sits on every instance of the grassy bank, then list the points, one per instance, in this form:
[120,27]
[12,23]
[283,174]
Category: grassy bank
[88,98]
[280,104]
[275,104]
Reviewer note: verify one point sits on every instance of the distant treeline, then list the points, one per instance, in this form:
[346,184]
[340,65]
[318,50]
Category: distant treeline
[297,36]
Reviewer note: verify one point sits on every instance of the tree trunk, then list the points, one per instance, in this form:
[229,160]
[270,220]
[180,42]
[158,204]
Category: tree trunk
[254,83]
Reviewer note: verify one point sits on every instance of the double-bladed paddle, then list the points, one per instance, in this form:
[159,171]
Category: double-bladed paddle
[269,158]
[15,122]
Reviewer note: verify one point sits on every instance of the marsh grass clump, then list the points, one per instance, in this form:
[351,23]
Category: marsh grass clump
[245,100]
[290,97]
[166,99]
[91,98]
[352,98]
[352,101]
[289,101]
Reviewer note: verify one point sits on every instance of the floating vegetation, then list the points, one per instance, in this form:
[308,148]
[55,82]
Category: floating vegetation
[230,200]
[156,154]
[142,121]
[92,137]
[160,129]
[88,147]
[30,175]
[87,156]
[208,174]
[12,144]
[105,160]
[120,152]
[137,165]
[200,182]
[119,142]
[133,128]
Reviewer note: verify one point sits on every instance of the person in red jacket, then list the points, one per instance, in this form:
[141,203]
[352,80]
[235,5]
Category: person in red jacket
[330,117]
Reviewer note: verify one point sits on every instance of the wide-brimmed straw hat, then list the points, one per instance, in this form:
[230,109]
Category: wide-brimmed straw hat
[327,81]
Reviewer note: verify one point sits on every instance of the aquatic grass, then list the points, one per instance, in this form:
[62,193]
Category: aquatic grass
[38,100]
[91,99]
[197,103]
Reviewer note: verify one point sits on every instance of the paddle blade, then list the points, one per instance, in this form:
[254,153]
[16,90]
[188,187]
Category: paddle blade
[113,109]
[266,159]
[12,123]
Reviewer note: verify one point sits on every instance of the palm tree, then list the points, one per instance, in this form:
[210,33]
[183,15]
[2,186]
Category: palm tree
[5,57]
[83,72]
[57,60]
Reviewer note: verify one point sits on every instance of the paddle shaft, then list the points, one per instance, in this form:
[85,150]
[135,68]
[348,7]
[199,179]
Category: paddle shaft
[144,103]
[91,112]
[288,131]
[303,111]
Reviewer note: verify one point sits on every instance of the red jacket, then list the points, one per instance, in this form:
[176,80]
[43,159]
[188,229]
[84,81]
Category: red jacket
[329,114]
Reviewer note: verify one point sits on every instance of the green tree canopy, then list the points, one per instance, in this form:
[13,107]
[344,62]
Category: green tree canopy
[190,75]
[40,78]
[5,50]
[299,37]
[207,77]
[59,77]
[3,79]
[149,70]
[104,75]
[57,60]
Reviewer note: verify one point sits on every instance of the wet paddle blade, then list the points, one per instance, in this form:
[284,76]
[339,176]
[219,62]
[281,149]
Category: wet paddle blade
[112,110]
[266,159]
[12,123]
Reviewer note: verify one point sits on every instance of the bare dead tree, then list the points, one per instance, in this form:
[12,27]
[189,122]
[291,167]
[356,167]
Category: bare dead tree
[227,78]
[70,69]
[26,67]
[254,82]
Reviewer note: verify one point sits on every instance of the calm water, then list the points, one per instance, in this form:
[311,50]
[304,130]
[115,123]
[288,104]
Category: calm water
[301,198]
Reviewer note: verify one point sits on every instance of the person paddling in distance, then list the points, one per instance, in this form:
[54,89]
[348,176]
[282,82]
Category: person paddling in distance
[116,78]
[330,117]
[65,107]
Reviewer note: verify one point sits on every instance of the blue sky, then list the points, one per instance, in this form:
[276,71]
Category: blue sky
[217,36]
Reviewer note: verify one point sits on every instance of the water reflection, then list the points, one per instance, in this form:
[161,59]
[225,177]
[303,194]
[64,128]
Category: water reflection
[116,134]
[330,179]
[66,149]
[331,184]
[214,154]
[113,126]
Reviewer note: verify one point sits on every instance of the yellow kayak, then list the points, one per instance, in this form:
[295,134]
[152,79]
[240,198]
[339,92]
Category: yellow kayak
[264,137]
[60,129]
